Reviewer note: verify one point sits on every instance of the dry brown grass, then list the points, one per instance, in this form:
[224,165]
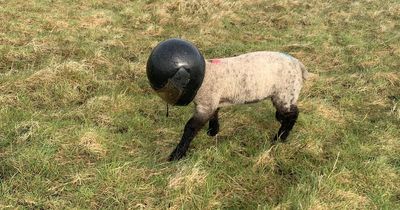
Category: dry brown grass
[264,160]
[81,128]
[55,86]
[92,143]
[186,182]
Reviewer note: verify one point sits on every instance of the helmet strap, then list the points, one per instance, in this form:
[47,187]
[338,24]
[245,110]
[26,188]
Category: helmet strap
[167,111]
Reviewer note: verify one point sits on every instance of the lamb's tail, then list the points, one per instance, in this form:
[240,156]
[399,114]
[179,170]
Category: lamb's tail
[304,71]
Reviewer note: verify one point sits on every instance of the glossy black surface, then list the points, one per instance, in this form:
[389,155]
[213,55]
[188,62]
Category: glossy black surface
[180,62]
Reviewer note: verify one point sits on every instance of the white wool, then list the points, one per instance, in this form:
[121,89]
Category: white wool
[250,78]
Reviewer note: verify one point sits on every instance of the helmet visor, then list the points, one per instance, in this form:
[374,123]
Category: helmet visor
[170,93]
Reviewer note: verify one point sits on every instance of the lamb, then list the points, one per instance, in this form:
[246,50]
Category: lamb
[247,78]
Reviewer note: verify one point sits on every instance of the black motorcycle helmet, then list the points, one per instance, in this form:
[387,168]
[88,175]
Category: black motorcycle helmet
[175,70]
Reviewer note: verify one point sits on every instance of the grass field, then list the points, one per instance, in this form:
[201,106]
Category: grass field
[81,128]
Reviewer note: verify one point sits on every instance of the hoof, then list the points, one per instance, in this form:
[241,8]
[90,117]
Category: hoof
[212,132]
[278,139]
[176,155]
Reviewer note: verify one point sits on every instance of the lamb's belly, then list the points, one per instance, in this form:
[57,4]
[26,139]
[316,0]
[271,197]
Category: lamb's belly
[246,95]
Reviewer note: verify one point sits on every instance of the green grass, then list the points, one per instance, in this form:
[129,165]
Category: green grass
[80,126]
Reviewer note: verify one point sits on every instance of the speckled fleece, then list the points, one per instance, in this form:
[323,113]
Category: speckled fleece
[249,78]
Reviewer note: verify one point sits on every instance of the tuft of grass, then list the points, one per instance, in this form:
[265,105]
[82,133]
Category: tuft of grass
[81,128]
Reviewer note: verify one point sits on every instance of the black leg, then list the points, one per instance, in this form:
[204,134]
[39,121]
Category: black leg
[213,124]
[192,127]
[287,120]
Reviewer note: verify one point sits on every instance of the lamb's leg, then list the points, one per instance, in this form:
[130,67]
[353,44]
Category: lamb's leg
[192,127]
[213,124]
[287,119]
